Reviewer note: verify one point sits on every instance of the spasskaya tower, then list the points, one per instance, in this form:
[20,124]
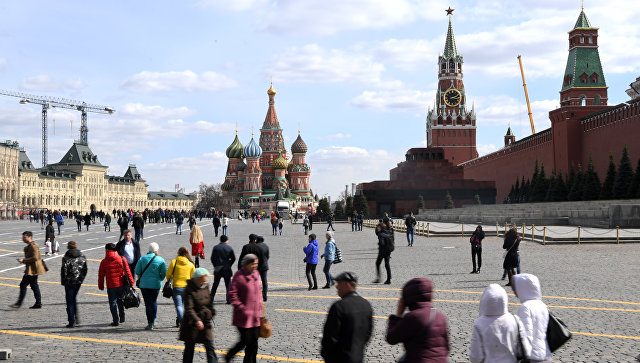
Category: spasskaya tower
[450,124]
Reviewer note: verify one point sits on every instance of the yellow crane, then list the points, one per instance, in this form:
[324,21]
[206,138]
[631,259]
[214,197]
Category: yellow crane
[526,95]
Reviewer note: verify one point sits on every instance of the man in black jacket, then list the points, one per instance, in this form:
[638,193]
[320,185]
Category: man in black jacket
[386,245]
[265,265]
[349,325]
[138,227]
[410,223]
[252,248]
[129,249]
[216,223]
[72,274]
[222,258]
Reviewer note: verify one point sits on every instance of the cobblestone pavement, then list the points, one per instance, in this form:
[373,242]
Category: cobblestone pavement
[593,288]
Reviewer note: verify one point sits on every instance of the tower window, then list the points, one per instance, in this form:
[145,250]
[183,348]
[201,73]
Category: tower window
[590,39]
[444,66]
[454,133]
[594,78]
[596,100]
[583,100]
[581,39]
[442,133]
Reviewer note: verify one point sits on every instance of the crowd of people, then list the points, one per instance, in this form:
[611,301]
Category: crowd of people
[497,335]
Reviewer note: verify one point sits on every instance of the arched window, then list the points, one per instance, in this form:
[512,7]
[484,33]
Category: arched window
[452,65]
[583,100]
[442,133]
[596,100]
[581,39]
[590,39]
[444,66]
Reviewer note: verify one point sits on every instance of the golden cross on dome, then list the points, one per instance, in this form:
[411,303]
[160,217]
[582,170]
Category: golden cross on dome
[252,132]
[298,127]
[449,11]
[236,127]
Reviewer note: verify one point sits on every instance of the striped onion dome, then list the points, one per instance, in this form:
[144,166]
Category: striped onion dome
[241,166]
[252,150]
[299,147]
[234,151]
[280,163]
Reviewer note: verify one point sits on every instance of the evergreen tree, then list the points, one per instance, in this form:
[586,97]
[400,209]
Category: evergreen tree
[534,180]
[323,207]
[360,204]
[348,209]
[591,185]
[540,186]
[634,187]
[551,185]
[420,204]
[448,201]
[477,199]
[571,178]
[524,195]
[338,212]
[623,177]
[575,193]
[516,192]
[560,190]
[510,195]
[607,187]
[316,198]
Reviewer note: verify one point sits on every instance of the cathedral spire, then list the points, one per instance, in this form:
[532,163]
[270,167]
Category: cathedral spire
[450,50]
[271,120]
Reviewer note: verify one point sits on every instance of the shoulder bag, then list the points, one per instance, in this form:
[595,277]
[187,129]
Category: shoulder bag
[338,257]
[265,327]
[424,332]
[143,270]
[557,333]
[131,297]
[167,290]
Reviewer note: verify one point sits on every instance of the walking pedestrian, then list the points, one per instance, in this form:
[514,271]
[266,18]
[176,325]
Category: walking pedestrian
[354,221]
[280,225]
[264,267]
[197,325]
[129,249]
[248,307]
[152,270]
[87,221]
[138,227]
[311,260]
[180,270]
[59,221]
[476,248]
[107,222]
[534,315]
[113,268]
[423,329]
[251,248]
[179,222]
[192,221]
[330,222]
[72,274]
[386,245]
[360,220]
[274,224]
[496,332]
[222,258]
[197,244]
[329,256]
[79,221]
[305,224]
[511,245]
[49,239]
[410,223]
[225,224]
[310,221]
[216,223]
[33,267]
[349,325]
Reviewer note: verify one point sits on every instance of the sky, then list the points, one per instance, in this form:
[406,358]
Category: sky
[355,76]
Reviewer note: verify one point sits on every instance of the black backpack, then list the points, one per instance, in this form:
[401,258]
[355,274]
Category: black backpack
[388,239]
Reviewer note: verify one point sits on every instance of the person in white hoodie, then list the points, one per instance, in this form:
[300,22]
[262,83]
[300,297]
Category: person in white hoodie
[534,315]
[495,332]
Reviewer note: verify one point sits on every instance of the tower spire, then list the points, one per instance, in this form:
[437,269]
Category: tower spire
[450,50]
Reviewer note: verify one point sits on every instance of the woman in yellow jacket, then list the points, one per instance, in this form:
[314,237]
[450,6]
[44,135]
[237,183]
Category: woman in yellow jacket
[181,269]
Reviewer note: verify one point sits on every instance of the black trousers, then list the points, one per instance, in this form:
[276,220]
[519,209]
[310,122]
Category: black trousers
[265,287]
[216,283]
[248,341]
[311,273]
[386,257]
[476,251]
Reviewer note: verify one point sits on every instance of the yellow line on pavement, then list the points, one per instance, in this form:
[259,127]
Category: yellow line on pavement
[41,281]
[1,284]
[11,251]
[91,293]
[151,345]
[385,317]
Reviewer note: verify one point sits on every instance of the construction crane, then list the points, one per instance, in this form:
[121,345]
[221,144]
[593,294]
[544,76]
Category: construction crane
[52,102]
[526,95]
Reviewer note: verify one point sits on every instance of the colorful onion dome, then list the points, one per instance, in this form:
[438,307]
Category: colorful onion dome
[299,147]
[252,150]
[280,162]
[271,91]
[234,151]
[241,166]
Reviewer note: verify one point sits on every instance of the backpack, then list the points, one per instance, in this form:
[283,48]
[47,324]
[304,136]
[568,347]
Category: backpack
[388,239]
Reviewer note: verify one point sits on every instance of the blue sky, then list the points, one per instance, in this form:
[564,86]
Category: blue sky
[357,75]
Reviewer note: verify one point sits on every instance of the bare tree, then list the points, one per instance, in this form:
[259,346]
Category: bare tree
[211,196]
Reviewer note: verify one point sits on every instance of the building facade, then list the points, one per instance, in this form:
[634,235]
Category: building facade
[583,127]
[80,182]
[9,192]
[259,175]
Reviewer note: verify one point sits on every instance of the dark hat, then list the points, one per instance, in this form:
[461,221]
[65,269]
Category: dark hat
[347,276]
[110,247]
[259,239]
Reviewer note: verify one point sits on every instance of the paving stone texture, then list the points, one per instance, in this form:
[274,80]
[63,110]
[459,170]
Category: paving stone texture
[602,277]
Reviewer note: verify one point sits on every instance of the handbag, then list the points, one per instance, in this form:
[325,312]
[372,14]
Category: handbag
[131,297]
[265,328]
[338,258]
[167,289]
[145,269]
[557,333]
[521,356]
[425,332]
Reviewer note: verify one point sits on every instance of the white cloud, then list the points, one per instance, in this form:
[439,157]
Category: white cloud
[3,64]
[188,171]
[313,63]
[334,137]
[484,149]
[393,100]
[495,110]
[334,166]
[138,110]
[147,81]
[235,5]
[44,82]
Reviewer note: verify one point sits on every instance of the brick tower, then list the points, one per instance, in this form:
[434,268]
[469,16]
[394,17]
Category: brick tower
[450,125]
[584,91]
[271,142]
[252,172]
[299,171]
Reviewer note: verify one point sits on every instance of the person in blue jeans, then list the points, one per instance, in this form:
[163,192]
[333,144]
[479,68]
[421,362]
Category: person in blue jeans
[152,270]
[410,223]
[329,256]
[59,222]
[330,222]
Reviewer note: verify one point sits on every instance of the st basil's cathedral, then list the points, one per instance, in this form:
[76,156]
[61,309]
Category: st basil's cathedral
[259,175]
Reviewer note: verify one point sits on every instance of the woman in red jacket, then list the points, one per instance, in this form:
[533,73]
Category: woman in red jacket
[197,244]
[113,268]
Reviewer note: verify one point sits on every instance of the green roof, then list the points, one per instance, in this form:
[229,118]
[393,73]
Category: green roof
[583,22]
[80,153]
[168,195]
[450,50]
[583,61]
